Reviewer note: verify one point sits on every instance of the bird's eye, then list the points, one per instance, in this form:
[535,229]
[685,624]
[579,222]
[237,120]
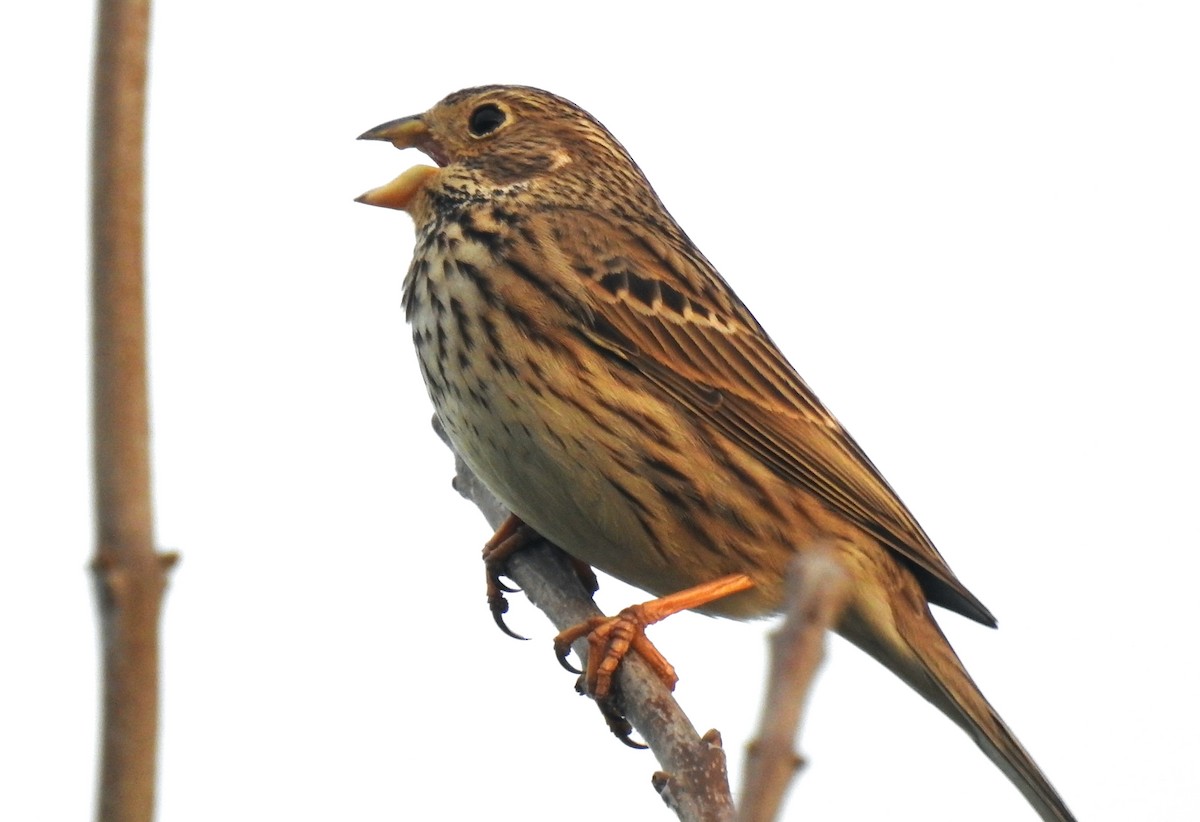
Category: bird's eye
[486,119]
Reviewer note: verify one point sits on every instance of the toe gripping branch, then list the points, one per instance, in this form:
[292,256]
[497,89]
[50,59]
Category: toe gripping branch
[609,638]
[510,537]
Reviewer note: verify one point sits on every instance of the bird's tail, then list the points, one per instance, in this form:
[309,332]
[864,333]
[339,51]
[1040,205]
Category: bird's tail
[925,660]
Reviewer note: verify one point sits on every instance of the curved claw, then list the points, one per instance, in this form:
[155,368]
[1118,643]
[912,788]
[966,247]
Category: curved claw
[614,717]
[498,605]
[627,740]
[502,587]
[509,537]
[561,655]
[498,616]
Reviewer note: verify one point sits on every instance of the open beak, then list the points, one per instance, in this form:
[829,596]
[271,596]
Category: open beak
[407,132]
[399,193]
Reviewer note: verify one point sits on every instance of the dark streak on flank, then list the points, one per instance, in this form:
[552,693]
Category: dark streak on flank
[644,516]
[666,469]
[566,398]
[747,480]
[462,322]
[702,536]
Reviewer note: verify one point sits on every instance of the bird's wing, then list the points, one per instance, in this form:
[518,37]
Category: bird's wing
[664,311]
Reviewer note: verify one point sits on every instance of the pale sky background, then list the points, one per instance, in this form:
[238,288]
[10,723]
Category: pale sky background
[974,228]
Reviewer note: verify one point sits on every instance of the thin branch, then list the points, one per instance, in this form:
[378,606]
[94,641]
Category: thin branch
[129,575]
[693,780]
[817,591]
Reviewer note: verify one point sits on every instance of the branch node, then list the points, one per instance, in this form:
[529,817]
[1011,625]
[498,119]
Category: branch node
[661,781]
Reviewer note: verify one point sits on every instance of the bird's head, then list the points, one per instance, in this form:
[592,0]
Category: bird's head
[492,140]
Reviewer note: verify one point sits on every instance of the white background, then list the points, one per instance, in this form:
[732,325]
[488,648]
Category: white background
[974,230]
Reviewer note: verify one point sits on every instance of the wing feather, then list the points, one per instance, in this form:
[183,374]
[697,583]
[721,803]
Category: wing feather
[704,348]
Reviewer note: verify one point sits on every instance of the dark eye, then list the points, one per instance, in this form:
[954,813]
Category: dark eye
[486,119]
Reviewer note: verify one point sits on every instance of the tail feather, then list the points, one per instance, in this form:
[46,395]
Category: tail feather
[916,650]
[952,690]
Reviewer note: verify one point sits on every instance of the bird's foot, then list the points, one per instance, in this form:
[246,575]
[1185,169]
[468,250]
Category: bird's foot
[510,537]
[611,638]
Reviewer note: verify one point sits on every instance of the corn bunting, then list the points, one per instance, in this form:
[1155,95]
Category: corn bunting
[605,382]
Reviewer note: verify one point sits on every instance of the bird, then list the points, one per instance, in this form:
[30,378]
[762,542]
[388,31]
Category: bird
[605,382]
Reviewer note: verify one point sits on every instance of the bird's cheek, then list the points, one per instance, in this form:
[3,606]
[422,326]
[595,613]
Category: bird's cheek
[401,193]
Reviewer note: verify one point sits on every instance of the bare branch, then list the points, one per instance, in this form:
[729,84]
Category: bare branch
[693,780]
[129,575]
[817,592]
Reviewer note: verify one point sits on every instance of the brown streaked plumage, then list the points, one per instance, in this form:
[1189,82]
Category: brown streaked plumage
[606,383]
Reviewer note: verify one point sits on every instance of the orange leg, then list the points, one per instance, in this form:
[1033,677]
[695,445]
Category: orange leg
[610,638]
